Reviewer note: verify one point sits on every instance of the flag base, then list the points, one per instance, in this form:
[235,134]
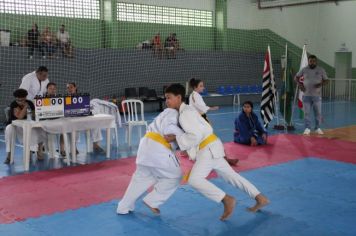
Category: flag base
[282,127]
[290,128]
[279,127]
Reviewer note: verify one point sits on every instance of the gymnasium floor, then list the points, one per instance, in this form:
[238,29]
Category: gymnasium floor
[309,180]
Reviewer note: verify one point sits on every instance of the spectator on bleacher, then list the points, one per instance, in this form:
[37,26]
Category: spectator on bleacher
[19,109]
[196,100]
[175,41]
[170,47]
[35,83]
[248,129]
[64,42]
[32,40]
[48,43]
[157,45]
[96,136]
[51,89]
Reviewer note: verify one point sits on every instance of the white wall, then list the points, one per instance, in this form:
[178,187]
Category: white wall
[208,5]
[323,27]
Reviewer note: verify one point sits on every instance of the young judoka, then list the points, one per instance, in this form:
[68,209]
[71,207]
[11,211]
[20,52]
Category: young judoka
[156,164]
[203,146]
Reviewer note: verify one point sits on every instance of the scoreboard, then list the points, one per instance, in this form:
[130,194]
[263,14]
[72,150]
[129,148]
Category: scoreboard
[47,108]
[77,105]
[68,106]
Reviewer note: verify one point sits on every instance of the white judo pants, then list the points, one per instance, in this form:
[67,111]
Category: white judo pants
[37,136]
[143,178]
[204,165]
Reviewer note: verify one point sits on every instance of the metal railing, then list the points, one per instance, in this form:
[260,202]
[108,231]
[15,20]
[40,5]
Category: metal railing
[340,89]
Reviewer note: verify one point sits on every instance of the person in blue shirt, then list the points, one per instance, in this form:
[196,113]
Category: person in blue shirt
[248,129]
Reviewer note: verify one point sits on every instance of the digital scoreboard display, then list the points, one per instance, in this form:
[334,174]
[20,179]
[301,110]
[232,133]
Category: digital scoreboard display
[68,106]
[78,105]
[49,107]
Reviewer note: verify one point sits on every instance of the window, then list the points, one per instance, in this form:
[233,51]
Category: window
[88,9]
[163,15]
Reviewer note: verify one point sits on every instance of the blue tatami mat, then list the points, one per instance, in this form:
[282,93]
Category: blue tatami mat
[308,197]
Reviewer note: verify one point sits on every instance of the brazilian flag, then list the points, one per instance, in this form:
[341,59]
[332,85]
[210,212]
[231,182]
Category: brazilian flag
[287,94]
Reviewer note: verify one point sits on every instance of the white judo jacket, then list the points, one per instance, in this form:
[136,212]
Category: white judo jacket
[154,154]
[196,129]
[196,101]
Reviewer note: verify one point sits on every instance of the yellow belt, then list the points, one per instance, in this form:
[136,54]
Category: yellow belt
[211,138]
[158,138]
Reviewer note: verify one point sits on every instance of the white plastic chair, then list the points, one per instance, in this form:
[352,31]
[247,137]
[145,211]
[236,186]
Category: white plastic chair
[99,106]
[133,108]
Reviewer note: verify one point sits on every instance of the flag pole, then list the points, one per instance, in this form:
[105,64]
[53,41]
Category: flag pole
[290,125]
[285,87]
[296,94]
[276,97]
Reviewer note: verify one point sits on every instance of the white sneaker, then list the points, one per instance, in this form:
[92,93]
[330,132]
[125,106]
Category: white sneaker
[306,131]
[319,131]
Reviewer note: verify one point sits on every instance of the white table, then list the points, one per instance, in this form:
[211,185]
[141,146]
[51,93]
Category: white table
[62,126]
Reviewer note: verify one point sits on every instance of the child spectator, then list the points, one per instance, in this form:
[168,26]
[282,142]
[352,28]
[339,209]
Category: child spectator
[248,130]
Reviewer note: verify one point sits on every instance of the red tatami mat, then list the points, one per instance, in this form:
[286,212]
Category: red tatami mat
[40,193]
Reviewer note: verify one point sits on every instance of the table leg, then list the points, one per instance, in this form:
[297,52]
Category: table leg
[13,143]
[108,142]
[89,145]
[66,147]
[26,145]
[73,147]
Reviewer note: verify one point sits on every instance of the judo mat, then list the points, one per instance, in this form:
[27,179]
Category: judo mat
[344,133]
[309,181]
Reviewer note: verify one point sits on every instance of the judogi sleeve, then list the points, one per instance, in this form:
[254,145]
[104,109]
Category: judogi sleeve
[170,126]
[199,103]
[26,83]
[192,136]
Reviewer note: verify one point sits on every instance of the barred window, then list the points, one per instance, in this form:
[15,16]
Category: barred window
[88,9]
[163,15]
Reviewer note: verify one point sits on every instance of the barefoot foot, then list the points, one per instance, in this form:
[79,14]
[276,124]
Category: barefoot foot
[155,211]
[232,162]
[261,201]
[229,205]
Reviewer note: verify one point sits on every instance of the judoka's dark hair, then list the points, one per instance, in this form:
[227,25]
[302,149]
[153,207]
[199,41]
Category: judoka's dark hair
[51,83]
[42,69]
[193,83]
[176,89]
[312,57]
[20,93]
[249,103]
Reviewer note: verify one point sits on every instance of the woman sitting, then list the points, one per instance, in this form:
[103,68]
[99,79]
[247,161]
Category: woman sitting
[248,130]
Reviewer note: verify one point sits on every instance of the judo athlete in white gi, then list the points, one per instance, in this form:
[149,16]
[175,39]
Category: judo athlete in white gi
[156,165]
[203,146]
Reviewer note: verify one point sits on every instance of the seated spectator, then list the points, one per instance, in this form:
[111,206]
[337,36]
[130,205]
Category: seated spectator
[157,45]
[170,47]
[51,89]
[48,43]
[32,40]
[19,109]
[95,133]
[175,42]
[248,130]
[64,42]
